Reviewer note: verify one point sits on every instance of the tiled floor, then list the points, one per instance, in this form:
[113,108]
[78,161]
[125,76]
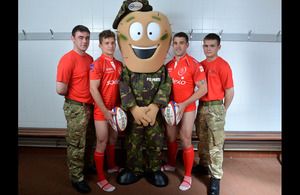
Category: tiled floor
[44,171]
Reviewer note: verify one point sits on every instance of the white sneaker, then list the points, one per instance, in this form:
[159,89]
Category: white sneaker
[186,184]
[105,186]
[167,168]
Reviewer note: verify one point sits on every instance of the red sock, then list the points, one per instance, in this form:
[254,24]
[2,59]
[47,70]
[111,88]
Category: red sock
[172,152]
[188,159]
[99,160]
[110,153]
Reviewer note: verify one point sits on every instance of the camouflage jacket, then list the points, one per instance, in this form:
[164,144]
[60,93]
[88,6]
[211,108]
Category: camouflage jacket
[142,89]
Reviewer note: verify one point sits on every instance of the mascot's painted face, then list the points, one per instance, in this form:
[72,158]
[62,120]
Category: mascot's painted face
[144,39]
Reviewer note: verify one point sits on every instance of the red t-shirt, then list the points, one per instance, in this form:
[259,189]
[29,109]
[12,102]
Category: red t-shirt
[219,77]
[108,71]
[184,74]
[74,70]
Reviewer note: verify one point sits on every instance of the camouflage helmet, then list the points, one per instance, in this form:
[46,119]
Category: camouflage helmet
[130,6]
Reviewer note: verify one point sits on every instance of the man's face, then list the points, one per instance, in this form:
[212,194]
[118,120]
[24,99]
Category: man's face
[81,40]
[179,46]
[211,48]
[108,46]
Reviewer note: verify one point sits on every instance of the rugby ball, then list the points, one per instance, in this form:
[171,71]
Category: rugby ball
[170,114]
[120,119]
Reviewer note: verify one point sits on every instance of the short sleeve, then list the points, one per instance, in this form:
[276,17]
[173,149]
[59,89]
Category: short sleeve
[226,76]
[64,69]
[198,72]
[96,70]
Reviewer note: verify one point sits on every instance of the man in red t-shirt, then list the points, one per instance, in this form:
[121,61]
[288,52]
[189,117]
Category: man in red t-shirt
[73,82]
[210,120]
[186,73]
[104,87]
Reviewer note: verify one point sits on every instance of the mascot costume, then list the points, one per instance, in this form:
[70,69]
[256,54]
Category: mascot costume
[144,38]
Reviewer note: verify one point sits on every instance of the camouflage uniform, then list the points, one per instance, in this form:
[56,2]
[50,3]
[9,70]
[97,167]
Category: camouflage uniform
[80,138]
[210,122]
[142,89]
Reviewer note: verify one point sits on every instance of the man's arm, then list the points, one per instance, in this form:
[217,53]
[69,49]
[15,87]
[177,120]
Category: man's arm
[62,88]
[201,91]
[229,93]
[94,85]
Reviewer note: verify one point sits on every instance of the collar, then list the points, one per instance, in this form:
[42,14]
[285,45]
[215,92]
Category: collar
[107,58]
[185,57]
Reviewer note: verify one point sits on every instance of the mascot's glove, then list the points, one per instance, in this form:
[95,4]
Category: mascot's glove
[139,114]
[152,113]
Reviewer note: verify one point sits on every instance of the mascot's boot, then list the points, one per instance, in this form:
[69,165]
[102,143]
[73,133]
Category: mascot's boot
[157,178]
[214,186]
[126,177]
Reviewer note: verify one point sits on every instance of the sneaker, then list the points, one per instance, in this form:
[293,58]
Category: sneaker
[105,186]
[167,168]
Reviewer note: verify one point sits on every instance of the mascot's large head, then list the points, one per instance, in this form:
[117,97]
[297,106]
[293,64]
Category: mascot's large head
[144,36]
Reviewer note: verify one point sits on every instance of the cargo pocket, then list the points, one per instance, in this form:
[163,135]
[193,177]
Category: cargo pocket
[76,123]
[217,123]
[72,139]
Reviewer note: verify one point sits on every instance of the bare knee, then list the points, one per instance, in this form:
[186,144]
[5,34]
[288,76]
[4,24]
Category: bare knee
[186,141]
[101,145]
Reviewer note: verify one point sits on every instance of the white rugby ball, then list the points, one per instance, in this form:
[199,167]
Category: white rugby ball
[170,114]
[120,119]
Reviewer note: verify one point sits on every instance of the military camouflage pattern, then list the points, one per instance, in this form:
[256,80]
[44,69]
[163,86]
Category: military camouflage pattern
[210,122]
[80,139]
[142,89]
[149,137]
[124,10]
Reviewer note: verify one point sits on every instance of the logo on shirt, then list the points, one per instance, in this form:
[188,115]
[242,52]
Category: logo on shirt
[212,71]
[201,68]
[153,79]
[181,71]
[178,82]
[112,82]
[92,66]
[109,70]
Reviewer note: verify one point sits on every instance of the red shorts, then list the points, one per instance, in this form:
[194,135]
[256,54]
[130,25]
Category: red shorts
[190,107]
[98,115]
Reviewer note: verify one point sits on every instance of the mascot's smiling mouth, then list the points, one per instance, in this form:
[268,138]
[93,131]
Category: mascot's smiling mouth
[144,52]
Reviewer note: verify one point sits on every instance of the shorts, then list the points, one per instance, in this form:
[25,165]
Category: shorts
[190,107]
[98,115]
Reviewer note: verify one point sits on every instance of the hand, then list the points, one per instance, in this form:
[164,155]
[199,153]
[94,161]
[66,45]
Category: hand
[108,114]
[152,113]
[139,114]
[181,108]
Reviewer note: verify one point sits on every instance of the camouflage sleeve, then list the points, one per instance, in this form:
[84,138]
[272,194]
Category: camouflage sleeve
[163,94]
[127,97]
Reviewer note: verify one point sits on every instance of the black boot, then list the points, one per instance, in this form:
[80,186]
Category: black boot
[214,186]
[202,170]
[127,176]
[157,178]
[81,187]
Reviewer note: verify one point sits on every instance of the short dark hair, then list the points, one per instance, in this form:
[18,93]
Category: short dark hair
[80,28]
[106,34]
[213,36]
[182,34]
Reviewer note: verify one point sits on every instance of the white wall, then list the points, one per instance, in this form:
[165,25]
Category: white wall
[256,66]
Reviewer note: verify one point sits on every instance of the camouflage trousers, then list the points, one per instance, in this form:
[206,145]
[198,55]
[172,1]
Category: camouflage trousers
[150,137]
[210,122]
[80,138]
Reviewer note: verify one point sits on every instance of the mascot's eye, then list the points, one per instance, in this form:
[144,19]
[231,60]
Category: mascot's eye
[136,31]
[153,31]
